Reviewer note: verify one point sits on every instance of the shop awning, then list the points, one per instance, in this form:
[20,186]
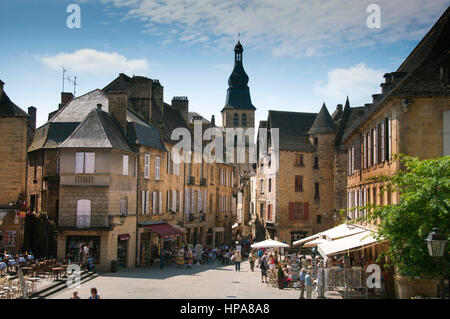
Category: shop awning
[164,230]
[334,233]
[234,226]
[343,245]
[269,243]
[314,243]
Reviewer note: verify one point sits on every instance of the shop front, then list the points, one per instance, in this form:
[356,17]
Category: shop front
[122,250]
[155,239]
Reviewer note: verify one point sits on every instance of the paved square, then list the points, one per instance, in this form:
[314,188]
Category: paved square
[202,282]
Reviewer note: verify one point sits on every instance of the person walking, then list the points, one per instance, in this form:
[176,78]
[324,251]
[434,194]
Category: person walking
[263,266]
[251,259]
[260,254]
[308,285]
[301,279]
[237,260]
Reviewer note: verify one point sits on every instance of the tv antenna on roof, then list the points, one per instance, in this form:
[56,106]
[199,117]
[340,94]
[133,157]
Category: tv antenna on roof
[64,77]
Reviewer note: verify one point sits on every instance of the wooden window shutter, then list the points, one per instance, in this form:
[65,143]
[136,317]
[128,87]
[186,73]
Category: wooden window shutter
[291,211]
[147,202]
[306,211]
[143,202]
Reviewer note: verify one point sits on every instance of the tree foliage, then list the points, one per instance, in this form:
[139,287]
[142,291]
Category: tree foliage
[424,188]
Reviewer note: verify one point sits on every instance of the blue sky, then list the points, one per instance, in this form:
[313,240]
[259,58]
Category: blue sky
[298,54]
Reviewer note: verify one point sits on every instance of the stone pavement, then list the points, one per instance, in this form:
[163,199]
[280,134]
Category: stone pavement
[202,282]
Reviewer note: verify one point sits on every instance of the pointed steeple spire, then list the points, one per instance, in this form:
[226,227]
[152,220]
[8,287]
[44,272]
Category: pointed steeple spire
[323,124]
[238,94]
[347,104]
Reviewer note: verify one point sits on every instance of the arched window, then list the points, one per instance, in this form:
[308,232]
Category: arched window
[83,213]
[236,119]
[244,119]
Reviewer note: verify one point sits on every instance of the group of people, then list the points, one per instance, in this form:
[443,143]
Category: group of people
[94,294]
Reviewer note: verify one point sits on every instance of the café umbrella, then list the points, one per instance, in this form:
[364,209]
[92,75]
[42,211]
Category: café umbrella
[269,243]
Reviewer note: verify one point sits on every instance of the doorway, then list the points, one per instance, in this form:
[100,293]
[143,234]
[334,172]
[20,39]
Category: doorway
[122,253]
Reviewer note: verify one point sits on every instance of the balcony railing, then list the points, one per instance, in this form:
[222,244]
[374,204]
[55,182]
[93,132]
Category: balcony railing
[84,221]
[202,181]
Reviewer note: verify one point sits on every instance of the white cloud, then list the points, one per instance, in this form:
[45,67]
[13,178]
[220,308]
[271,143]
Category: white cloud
[288,27]
[358,82]
[222,67]
[89,61]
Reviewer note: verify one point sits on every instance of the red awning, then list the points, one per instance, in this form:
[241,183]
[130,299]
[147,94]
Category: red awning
[164,230]
[124,237]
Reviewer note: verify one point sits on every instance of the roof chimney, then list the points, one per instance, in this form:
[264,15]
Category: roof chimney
[32,117]
[1,88]
[181,104]
[213,121]
[99,106]
[118,103]
[66,97]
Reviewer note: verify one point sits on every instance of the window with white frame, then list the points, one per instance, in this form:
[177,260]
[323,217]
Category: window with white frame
[125,165]
[147,166]
[83,213]
[123,206]
[84,163]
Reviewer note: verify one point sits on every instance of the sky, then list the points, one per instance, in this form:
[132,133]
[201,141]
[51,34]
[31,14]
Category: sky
[298,54]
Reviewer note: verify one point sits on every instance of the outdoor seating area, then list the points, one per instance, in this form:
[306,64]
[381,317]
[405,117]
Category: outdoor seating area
[33,271]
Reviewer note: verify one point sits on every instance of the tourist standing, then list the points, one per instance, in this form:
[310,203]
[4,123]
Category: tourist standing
[251,259]
[237,260]
[308,285]
[263,266]
[302,283]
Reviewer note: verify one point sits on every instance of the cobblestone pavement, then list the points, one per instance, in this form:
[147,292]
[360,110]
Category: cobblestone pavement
[202,282]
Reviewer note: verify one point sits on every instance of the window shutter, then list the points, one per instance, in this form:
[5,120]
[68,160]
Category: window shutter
[89,159]
[193,202]
[369,149]
[125,165]
[174,201]
[147,166]
[389,138]
[147,202]
[306,211]
[199,201]
[142,202]
[291,211]
[375,146]
[157,167]
[186,201]
[79,163]
[168,201]
[154,199]
[160,203]
[205,199]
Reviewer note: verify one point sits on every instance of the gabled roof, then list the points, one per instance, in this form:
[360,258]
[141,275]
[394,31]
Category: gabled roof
[323,124]
[419,74]
[9,109]
[145,135]
[77,109]
[98,130]
[293,129]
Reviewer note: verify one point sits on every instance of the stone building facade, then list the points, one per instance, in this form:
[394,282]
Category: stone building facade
[16,132]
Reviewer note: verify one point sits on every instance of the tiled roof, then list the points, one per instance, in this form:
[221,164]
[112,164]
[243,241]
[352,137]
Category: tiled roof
[98,130]
[293,129]
[323,123]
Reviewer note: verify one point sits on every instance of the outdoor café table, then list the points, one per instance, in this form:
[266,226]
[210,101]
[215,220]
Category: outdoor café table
[26,269]
[33,282]
[64,269]
[56,271]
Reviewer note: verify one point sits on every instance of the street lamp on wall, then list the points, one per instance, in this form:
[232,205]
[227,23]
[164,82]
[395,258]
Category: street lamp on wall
[436,242]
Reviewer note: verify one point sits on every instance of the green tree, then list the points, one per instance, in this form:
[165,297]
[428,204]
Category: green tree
[424,188]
